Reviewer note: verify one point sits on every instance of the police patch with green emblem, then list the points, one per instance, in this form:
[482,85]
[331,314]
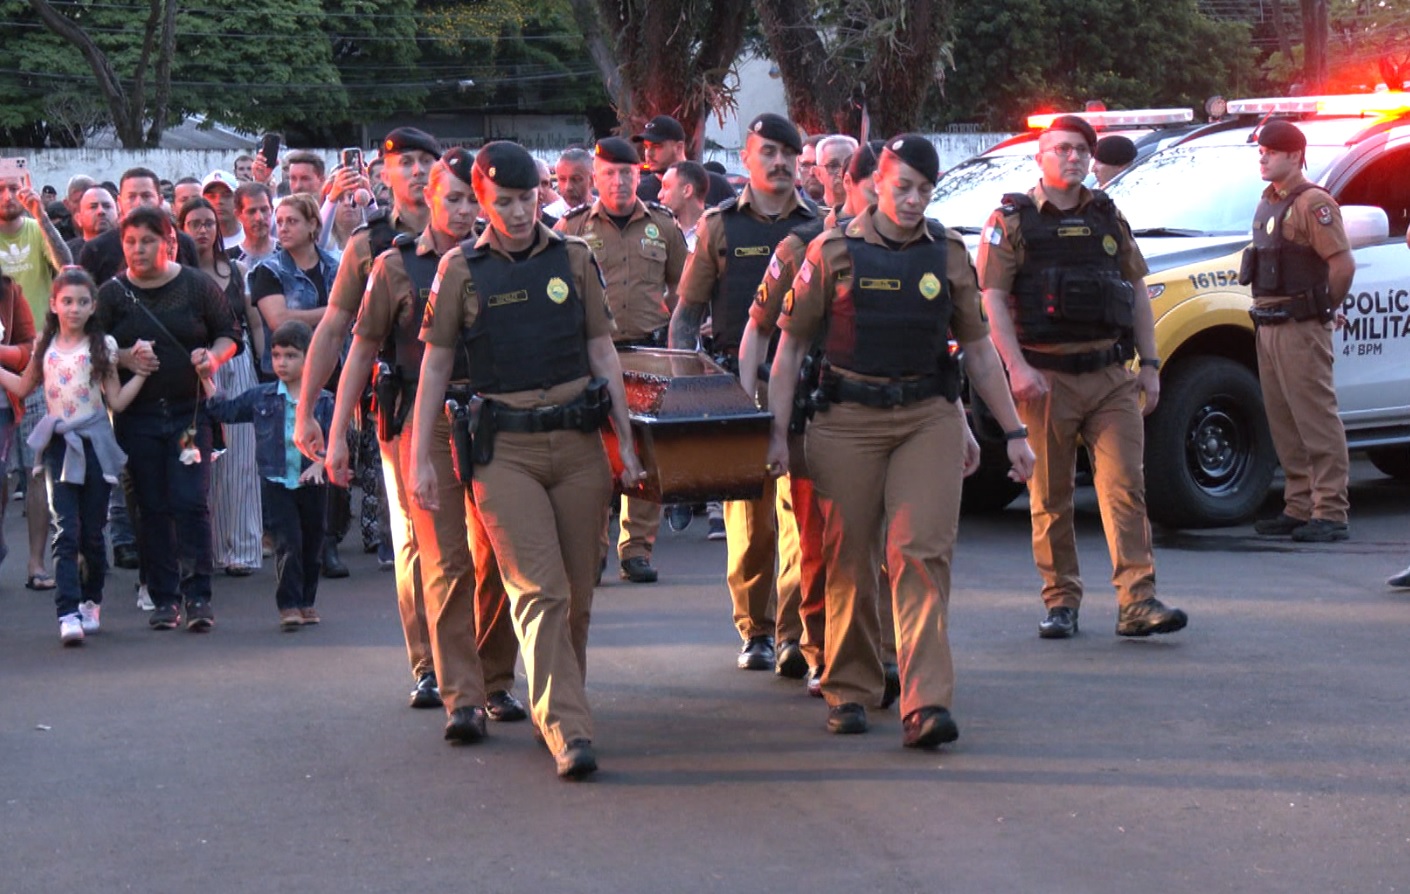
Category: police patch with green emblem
[557,290]
[929,286]
[652,231]
[1109,245]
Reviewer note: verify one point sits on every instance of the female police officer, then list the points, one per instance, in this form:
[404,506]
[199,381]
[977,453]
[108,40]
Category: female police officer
[889,451]
[527,305]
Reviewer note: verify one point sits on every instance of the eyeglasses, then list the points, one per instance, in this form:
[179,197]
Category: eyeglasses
[200,225]
[1067,149]
[834,168]
[806,165]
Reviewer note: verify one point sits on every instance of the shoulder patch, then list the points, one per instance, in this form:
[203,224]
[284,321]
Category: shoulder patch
[726,205]
[1323,213]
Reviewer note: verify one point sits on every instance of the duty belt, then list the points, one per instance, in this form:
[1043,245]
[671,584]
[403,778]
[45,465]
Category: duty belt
[656,338]
[1269,316]
[881,396]
[1090,361]
[576,415]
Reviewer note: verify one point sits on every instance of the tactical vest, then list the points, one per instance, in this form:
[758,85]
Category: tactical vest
[1276,268]
[529,332]
[1070,288]
[891,319]
[748,245]
[404,347]
[380,232]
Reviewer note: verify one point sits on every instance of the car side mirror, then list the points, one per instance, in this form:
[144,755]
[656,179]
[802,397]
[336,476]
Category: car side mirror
[1365,224]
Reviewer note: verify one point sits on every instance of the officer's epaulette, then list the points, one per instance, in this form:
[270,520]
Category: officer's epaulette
[657,206]
[936,228]
[1015,202]
[726,205]
[808,206]
[402,240]
[1102,200]
[576,211]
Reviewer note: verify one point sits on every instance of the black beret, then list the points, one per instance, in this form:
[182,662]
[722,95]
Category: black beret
[1115,150]
[918,152]
[1075,124]
[1282,136]
[617,151]
[715,167]
[863,163]
[509,165]
[777,128]
[460,161]
[405,139]
[661,129]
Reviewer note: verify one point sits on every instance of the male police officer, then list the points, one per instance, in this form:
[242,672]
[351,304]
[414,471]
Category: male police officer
[1065,292]
[409,155]
[1300,268]
[467,611]
[732,251]
[1113,155]
[526,306]
[889,450]
[641,252]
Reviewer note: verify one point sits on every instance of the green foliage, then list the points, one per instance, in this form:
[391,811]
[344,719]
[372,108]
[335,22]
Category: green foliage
[314,68]
[1013,57]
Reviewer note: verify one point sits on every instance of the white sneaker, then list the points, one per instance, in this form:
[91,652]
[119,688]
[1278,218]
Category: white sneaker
[144,599]
[88,612]
[71,630]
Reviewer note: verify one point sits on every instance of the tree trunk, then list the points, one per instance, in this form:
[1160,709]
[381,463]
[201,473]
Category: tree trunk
[1315,26]
[129,131]
[818,93]
[1280,28]
[165,52]
[899,81]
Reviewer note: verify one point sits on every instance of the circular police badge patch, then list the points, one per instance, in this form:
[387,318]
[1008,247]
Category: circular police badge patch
[1109,245]
[557,290]
[929,286]
[652,232]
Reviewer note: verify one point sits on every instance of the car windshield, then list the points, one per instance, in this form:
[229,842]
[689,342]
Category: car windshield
[969,192]
[1199,190]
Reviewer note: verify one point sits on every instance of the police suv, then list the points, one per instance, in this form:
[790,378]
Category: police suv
[1209,457]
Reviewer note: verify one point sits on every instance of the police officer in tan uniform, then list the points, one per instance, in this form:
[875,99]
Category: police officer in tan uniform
[1300,268]
[409,154]
[526,305]
[1065,292]
[806,634]
[889,445]
[467,610]
[734,243]
[641,252]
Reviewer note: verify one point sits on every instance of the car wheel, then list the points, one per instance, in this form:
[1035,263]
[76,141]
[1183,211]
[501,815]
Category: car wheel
[1393,461]
[1209,456]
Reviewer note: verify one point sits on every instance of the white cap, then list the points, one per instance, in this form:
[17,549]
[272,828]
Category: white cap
[224,178]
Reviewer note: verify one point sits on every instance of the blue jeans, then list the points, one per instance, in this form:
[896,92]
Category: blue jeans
[294,520]
[173,509]
[80,512]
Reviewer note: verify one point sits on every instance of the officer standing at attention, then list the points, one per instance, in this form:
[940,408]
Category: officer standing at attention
[526,305]
[890,447]
[472,638]
[1300,268]
[734,243]
[1065,294]
[641,252]
[409,154]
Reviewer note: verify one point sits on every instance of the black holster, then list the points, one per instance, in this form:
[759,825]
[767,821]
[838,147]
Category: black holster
[386,392]
[805,394]
[465,418]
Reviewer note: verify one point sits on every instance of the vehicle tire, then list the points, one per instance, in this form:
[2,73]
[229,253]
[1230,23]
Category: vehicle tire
[1209,456]
[989,489]
[1393,461]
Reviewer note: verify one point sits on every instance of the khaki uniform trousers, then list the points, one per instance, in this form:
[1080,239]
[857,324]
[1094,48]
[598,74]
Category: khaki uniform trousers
[899,471]
[640,522]
[789,585]
[411,605]
[542,499]
[1295,369]
[466,610]
[1101,408]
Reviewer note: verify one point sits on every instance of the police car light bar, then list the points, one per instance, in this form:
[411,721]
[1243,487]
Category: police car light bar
[1130,118]
[1351,104]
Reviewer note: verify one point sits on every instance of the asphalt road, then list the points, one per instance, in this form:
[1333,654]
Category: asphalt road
[1262,750]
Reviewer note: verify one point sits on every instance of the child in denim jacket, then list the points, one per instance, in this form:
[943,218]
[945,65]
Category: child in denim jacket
[292,489]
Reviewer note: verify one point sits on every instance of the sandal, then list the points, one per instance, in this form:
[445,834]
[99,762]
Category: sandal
[40,582]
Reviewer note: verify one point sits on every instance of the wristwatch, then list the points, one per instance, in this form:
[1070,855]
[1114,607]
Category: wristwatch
[1152,362]
[1018,434]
